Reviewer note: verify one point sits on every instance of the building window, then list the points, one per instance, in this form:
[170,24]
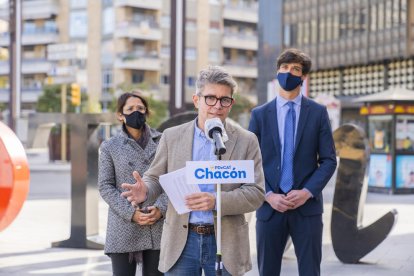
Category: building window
[403,12]
[78,26]
[388,14]
[108,21]
[190,53]
[214,55]
[165,79]
[343,24]
[107,79]
[214,26]
[78,4]
[286,35]
[137,76]
[374,18]
[165,51]
[190,24]
[190,81]
[165,21]
[381,15]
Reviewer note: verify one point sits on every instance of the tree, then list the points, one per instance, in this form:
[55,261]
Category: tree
[240,111]
[50,100]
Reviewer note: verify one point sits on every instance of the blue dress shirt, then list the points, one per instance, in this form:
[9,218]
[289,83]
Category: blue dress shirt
[203,150]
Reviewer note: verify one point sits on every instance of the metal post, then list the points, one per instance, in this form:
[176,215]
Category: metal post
[177,57]
[63,95]
[15,11]
[219,264]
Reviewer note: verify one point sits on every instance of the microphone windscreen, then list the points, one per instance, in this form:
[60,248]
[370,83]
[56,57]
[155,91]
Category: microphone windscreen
[213,124]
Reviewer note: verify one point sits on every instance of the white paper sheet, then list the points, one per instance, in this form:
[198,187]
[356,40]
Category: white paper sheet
[176,188]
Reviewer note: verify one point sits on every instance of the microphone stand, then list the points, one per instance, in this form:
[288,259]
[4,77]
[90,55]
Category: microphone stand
[219,264]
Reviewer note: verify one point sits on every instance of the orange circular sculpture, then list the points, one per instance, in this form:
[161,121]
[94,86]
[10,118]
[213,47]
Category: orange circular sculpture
[14,176]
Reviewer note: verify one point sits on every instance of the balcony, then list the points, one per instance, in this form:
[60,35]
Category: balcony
[241,69]
[38,9]
[29,66]
[241,12]
[240,41]
[143,4]
[37,38]
[144,30]
[29,94]
[138,61]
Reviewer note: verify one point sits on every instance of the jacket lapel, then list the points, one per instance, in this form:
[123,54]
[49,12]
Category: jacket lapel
[302,120]
[230,130]
[273,126]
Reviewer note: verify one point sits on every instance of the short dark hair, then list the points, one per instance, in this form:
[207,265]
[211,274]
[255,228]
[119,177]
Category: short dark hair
[124,97]
[295,56]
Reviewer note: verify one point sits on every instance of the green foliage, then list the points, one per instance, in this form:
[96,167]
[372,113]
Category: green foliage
[158,111]
[50,100]
[242,105]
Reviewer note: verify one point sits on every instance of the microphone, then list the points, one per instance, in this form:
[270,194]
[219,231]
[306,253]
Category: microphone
[214,129]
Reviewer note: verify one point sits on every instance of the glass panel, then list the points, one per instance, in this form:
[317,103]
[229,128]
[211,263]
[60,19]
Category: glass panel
[404,172]
[403,12]
[380,133]
[380,170]
[374,17]
[405,133]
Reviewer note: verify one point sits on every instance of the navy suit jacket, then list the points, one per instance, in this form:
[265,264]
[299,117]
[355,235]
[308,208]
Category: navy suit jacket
[314,158]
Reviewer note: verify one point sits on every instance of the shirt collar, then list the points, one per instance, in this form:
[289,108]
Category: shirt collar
[198,132]
[280,101]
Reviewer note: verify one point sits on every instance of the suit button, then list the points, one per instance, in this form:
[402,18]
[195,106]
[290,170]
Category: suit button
[185,226]
[278,167]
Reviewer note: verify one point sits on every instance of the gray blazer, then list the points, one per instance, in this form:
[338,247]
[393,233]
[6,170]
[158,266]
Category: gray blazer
[237,199]
[118,158]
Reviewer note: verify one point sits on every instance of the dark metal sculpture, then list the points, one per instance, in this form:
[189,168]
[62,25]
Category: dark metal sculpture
[178,119]
[84,147]
[351,241]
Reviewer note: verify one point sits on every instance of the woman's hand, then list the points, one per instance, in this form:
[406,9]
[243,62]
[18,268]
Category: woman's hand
[147,216]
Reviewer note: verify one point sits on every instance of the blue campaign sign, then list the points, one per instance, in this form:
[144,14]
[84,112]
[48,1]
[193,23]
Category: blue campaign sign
[219,172]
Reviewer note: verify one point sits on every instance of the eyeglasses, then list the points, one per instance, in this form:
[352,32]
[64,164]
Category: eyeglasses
[212,100]
[139,108]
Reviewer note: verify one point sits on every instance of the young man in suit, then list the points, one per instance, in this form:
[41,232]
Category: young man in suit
[188,244]
[299,158]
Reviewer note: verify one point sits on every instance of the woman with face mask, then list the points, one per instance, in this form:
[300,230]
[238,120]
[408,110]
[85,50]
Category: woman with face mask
[133,234]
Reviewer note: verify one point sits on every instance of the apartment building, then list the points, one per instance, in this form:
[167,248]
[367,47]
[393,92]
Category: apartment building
[39,28]
[217,32]
[126,43]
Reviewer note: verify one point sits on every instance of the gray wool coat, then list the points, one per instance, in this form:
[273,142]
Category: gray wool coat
[118,158]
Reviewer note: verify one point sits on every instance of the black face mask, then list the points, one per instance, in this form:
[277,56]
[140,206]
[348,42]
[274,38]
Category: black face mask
[135,120]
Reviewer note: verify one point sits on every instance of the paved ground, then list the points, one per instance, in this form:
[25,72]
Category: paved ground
[25,246]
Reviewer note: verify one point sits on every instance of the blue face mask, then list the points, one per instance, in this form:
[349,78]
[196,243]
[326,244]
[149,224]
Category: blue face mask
[288,81]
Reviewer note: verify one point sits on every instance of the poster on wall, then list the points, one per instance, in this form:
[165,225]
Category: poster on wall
[405,171]
[380,171]
[405,133]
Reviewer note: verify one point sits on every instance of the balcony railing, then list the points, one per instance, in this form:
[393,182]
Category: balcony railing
[139,60]
[145,29]
[241,12]
[144,4]
[37,9]
[29,66]
[241,68]
[38,37]
[240,41]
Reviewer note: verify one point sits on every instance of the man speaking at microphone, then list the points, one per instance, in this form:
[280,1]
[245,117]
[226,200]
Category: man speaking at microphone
[188,244]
